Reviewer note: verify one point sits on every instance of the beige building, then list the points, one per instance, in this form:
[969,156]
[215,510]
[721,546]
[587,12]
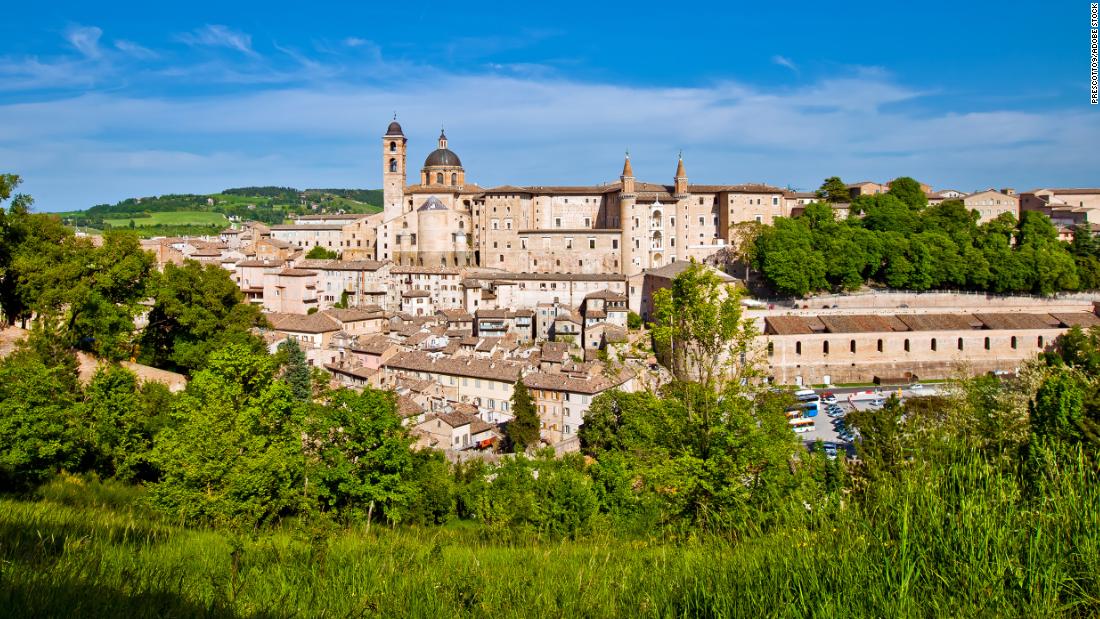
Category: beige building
[484,383]
[562,398]
[1066,207]
[860,348]
[622,227]
[990,204]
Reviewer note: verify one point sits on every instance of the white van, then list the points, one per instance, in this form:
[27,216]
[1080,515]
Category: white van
[801,393]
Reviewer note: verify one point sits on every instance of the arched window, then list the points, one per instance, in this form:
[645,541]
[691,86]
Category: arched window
[1040,341]
[906,344]
[1012,342]
[798,348]
[880,345]
[439,178]
[960,343]
[852,346]
[393,147]
[933,344]
[825,348]
[393,165]
[987,343]
[454,178]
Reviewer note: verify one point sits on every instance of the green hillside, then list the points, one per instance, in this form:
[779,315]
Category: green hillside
[198,214]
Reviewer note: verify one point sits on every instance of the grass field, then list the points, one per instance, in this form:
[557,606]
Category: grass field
[176,218]
[958,543]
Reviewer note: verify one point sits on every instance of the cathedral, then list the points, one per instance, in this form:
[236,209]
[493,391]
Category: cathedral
[623,227]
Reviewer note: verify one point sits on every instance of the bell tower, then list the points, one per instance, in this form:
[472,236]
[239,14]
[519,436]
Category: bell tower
[393,170]
[627,217]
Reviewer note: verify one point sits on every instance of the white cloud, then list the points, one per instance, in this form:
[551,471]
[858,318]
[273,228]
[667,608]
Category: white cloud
[85,39]
[135,50]
[217,35]
[783,61]
[308,123]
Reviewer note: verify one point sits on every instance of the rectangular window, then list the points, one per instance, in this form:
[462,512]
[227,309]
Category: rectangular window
[591,243]
[614,243]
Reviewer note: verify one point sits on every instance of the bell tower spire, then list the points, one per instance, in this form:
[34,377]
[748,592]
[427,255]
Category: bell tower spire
[681,180]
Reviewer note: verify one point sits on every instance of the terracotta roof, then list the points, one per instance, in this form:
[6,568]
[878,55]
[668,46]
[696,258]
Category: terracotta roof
[308,323]
[297,273]
[939,322]
[1077,319]
[355,314]
[362,372]
[416,292]
[859,324]
[786,325]
[492,313]
[1007,321]
[455,315]
[407,407]
[606,295]
[416,361]
[375,345]
[556,381]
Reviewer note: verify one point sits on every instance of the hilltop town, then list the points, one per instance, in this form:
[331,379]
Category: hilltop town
[455,292]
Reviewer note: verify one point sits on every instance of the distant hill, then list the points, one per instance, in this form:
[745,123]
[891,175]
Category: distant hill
[198,214]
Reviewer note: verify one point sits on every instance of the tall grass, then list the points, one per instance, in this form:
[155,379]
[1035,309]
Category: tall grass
[957,541]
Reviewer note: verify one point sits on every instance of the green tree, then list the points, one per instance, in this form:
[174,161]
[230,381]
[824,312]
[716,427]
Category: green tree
[523,429]
[908,191]
[698,329]
[39,432]
[833,190]
[120,433]
[196,310]
[233,452]
[358,462]
[883,445]
[296,371]
[320,253]
[784,253]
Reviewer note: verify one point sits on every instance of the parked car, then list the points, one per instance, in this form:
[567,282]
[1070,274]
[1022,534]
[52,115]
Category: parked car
[829,398]
[916,387]
[830,450]
[878,403]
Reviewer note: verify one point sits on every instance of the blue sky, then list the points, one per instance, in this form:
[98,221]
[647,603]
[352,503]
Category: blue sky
[100,103]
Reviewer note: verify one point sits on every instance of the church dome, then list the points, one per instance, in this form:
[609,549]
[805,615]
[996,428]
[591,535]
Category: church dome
[394,129]
[443,157]
[432,204]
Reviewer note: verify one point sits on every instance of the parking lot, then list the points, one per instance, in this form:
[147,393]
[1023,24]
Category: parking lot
[850,399]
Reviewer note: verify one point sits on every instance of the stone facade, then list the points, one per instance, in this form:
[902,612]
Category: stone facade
[623,227]
[991,203]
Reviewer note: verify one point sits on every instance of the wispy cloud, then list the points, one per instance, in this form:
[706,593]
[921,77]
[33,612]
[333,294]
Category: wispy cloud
[135,50]
[308,119]
[217,35]
[783,61]
[85,39]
